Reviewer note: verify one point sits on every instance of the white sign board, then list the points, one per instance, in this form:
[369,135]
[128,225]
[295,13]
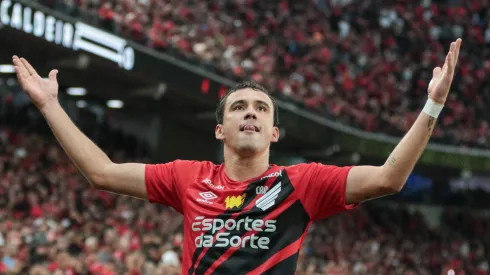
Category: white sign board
[78,36]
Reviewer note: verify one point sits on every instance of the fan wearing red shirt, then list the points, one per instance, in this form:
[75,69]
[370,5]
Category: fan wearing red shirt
[244,216]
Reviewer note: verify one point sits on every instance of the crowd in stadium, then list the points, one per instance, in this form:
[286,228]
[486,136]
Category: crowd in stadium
[53,222]
[363,63]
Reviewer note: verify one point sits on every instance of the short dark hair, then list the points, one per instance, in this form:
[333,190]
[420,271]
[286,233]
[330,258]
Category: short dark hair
[220,110]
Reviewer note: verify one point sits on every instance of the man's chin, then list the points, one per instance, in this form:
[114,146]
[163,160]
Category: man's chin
[247,150]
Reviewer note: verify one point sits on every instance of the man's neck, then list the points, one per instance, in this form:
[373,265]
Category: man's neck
[244,168]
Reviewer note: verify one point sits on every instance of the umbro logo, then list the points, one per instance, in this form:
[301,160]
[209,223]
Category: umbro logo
[207,196]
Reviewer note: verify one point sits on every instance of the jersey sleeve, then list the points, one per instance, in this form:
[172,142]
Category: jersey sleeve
[166,183]
[322,189]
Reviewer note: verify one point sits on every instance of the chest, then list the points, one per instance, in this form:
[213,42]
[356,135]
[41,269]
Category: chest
[209,197]
[255,220]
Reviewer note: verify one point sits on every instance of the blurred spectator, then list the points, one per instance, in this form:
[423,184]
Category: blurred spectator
[53,222]
[362,63]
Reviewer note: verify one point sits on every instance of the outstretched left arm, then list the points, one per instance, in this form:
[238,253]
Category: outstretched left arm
[369,182]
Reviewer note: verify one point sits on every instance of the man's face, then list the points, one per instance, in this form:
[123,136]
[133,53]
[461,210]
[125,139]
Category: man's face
[248,122]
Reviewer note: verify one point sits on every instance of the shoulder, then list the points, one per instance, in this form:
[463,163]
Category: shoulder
[194,167]
[315,171]
[301,167]
[181,163]
[298,172]
[310,167]
[181,167]
[194,164]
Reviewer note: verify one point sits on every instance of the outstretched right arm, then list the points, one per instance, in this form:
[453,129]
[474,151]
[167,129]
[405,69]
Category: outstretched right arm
[93,163]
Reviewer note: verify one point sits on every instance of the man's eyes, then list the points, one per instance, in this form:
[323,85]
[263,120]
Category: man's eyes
[241,107]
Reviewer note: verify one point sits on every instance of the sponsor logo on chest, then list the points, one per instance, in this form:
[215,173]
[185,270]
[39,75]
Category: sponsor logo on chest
[221,231]
[207,196]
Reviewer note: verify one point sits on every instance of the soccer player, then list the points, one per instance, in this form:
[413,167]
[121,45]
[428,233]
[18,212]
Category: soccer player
[245,216]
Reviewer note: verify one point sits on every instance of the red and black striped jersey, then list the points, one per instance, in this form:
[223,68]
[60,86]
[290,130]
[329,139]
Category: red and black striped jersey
[252,227]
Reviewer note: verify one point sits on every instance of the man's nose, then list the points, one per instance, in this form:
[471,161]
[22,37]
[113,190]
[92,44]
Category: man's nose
[251,113]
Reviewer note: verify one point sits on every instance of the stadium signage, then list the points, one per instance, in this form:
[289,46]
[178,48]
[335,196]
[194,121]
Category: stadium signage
[77,36]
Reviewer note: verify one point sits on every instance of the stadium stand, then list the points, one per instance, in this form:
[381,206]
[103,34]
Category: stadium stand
[363,63]
[53,222]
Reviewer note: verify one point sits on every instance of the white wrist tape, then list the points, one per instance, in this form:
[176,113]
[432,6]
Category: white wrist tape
[432,109]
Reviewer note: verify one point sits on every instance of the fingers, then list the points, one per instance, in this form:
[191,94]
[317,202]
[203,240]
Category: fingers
[28,66]
[436,72]
[449,62]
[52,75]
[21,75]
[446,63]
[20,69]
[453,53]
[18,64]
[456,50]
[451,48]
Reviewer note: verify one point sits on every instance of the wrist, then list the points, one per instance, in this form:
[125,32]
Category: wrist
[432,108]
[439,101]
[49,107]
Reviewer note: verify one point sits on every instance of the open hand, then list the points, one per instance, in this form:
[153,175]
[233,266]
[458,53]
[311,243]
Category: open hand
[41,91]
[442,78]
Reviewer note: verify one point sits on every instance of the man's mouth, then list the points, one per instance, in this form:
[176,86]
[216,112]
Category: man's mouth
[249,128]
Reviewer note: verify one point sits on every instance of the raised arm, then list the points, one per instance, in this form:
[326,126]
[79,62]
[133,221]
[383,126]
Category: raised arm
[368,182]
[93,163]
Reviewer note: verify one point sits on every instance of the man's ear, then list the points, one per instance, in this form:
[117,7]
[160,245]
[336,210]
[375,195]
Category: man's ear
[219,132]
[275,134]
